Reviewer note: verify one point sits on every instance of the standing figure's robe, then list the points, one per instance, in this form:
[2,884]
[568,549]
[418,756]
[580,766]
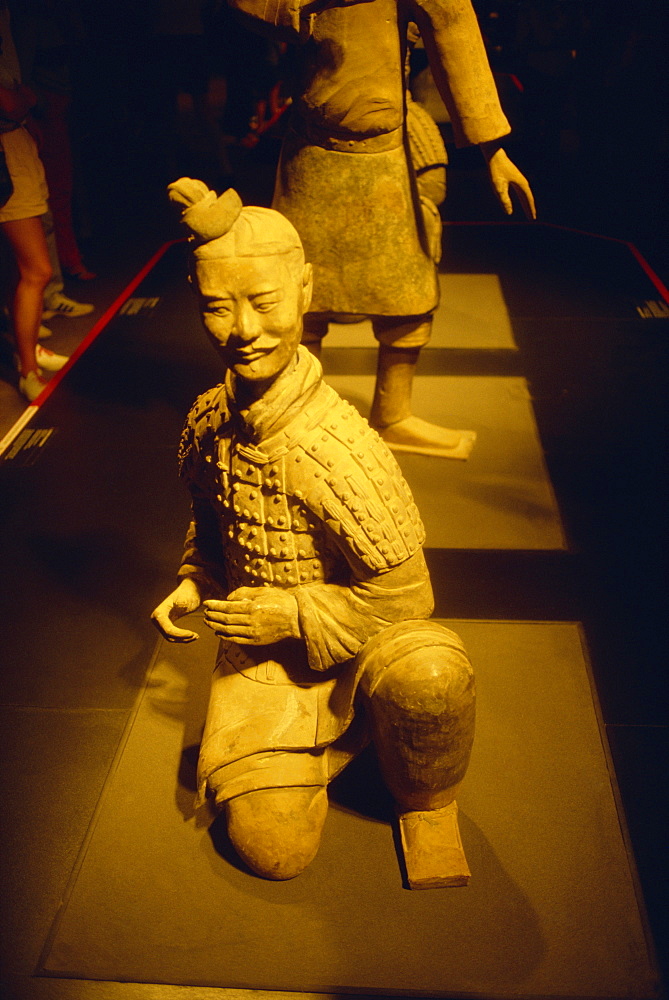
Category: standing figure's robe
[345,178]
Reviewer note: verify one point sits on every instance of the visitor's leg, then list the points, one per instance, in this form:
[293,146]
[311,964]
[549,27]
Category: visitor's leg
[26,238]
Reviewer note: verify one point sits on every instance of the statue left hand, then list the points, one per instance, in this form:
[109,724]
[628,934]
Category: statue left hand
[504,175]
[254,616]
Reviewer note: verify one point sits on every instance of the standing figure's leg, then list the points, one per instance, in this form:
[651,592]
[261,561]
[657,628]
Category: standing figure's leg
[315,328]
[421,701]
[400,340]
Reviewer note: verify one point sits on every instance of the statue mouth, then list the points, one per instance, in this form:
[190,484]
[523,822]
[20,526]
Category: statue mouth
[246,357]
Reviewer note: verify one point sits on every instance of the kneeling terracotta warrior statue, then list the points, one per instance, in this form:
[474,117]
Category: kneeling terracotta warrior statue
[305,549]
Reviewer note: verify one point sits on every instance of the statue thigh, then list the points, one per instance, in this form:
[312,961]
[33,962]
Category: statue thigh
[418,685]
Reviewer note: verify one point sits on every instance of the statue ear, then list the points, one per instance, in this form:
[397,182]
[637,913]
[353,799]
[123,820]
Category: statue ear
[307,286]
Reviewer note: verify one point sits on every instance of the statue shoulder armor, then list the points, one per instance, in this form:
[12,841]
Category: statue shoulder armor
[207,414]
[345,474]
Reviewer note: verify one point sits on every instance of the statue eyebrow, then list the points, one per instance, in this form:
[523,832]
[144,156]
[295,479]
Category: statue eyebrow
[211,299]
[274,290]
[214,298]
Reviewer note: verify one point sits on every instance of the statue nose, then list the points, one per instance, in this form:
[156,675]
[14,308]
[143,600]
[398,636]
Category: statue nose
[246,322]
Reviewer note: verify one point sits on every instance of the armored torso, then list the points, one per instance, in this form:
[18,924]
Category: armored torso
[318,495]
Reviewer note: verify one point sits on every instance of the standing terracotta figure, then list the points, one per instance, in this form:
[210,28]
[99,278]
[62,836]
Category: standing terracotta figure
[305,548]
[346,182]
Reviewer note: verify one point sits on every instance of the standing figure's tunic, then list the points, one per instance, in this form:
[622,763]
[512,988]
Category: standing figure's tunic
[345,179]
[296,492]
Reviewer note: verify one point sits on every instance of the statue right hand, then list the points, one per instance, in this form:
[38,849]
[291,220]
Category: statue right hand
[182,601]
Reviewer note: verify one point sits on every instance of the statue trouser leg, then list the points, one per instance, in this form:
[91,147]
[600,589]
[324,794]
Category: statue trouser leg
[419,688]
[275,803]
[400,341]
[277,831]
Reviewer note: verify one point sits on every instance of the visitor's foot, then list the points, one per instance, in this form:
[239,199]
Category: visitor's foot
[422,438]
[31,385]
[62,305]
[49,360]
[433,852]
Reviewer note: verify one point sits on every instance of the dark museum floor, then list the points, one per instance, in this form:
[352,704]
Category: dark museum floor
[92,519]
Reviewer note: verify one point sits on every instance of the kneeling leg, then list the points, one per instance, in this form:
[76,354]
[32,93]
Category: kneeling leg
[277,831]
[421,700]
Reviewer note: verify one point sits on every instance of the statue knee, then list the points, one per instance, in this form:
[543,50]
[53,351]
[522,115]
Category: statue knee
[421,699]
[277,831]
[419,667]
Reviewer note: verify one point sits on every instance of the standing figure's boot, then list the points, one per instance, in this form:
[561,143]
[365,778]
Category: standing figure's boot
[420,688]
[391,412]
[314,330]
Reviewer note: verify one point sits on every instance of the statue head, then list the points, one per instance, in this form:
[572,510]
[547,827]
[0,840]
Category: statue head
[251,278]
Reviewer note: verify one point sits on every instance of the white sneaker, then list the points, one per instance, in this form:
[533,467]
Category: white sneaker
[64,306]
[31,385]
[44,332]
[49,360]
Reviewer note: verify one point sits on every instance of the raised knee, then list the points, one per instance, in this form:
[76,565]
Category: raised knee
[277,831]
[420,667]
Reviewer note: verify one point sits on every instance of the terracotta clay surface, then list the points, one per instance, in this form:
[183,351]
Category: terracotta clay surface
[362,171]
[305,549]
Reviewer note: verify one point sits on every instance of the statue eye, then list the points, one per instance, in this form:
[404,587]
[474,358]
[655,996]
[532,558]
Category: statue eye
[220,309]
[264,305]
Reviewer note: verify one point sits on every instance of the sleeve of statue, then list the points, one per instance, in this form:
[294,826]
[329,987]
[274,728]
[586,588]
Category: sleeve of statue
[336,621]
[461,70]
[353,486]
[203,557]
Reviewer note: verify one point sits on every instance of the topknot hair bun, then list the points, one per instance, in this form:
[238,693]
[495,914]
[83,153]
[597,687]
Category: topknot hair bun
[206,214]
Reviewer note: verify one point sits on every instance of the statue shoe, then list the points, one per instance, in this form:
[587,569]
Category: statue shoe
[432,848]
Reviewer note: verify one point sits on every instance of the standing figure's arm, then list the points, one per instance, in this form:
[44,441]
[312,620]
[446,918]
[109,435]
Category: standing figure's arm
[462,73]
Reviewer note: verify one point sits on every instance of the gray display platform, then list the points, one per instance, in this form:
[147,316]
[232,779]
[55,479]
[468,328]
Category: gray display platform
[472,314]
[551,909]
[501,497]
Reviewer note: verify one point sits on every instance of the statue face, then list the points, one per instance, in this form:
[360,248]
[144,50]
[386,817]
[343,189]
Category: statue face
[252,310]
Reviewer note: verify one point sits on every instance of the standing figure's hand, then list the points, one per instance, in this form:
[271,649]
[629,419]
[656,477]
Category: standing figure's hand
[504,175]
[180,602]
[254,616]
